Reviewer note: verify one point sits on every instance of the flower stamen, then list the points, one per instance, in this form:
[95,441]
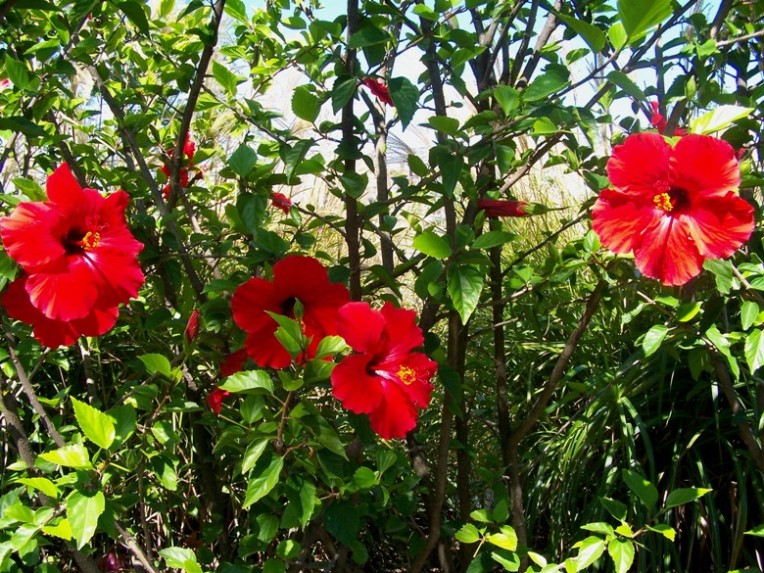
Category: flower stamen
[90,241]
[406,375]
[663,202]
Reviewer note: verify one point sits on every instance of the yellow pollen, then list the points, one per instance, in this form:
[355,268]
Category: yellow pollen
[90,240]
[407,375]
[663,202]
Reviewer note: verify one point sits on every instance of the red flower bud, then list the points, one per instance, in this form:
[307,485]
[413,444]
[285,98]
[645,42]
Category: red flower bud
[192,327]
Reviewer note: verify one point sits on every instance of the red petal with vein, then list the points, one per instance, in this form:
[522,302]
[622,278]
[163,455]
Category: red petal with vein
[32,235]
[361,327]
[705,165]
[395,416]
[354,387]
[640,165]
[620,220]
[718,233]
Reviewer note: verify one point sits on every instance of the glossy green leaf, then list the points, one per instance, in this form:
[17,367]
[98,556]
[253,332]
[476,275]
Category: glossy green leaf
[749,313]
[622,553]
[639,16]
[262,482]
[432,245]
[589,550]
[665,530]
[97,426]
[305,104]
[157,364]
[654,338]
[685,495]
[253,453]
[508,98]
[181,558]
[344,89]
[71,456]
[592,35]
[43,485]
[243,160]
[626,84]
[754,350]
[719,118]
[83,512]
[468,534]
[136,14]
[250,381]
[465,284]
[551,81]
[405,96]
[643,489]
[493,239]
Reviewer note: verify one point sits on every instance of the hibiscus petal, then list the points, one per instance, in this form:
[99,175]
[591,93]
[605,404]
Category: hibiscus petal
[668,252]
[32,235]
[63,189]
[98,322]
[719,227]
[354,387]
[67,294]
[395,416]
[117,275]
[251,300]
[402,330]
[265,349]
[361,327]
[703,164]
[620,220]
[640,165]
[50,333]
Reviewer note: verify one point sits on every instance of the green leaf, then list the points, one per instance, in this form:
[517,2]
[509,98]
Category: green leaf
[432,245]
[181,558]
[237,10]
[135,13]
[749,312]
[591,34]
[344,88]
[468,534]
[510,562]
[17,72]
[465,283]
[30,188]
[447,125]
[43,485]
[639,16]
[687,311]
[62,530]
[617,35]
[308,501]
[330,345]
[654,338]
[508,98]
[599,527]
[643,489]
[757,531]
[305,104]
[263,482]
[71,456]
[754,350]
[83,512]
[405,96]
[250,381]
[722,345]
[719,118]
[626,84]
[253,453]
[225,77]
[665,530]
[157,364]
[368,35]
[622,554]
[243,160]
[544,126]
[342,520]
[493,239]
[552,80]
[506,538]
[450,166]
[685,495]
[22,125]
[364,478]
[589,551]
[97,426]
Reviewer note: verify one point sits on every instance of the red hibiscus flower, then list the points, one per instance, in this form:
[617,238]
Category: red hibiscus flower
[673,207]
[385,379]
[233,363]
[78,255]
[281,201]
[215,399]
[192,326]
[294,278]
[378,89]
[658,121]
[503,208]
